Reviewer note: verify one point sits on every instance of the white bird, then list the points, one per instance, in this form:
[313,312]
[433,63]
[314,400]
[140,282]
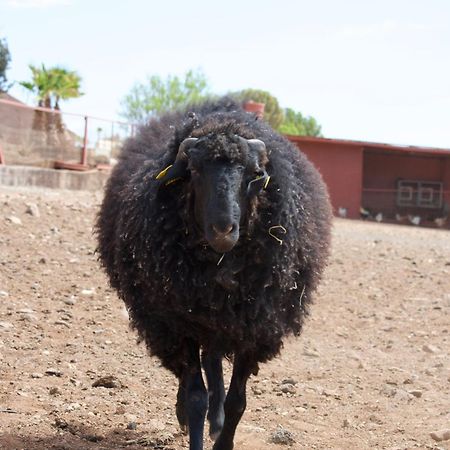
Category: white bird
[342,211]
[415,220]
[440,221]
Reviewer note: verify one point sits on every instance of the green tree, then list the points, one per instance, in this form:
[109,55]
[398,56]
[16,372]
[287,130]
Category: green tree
[5,59]
[273,114]
[158,95]
[52,85]
[295,123]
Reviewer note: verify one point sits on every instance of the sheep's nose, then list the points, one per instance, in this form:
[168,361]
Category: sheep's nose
[223,229]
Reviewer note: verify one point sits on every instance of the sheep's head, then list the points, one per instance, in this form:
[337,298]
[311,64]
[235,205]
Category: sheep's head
[225,173]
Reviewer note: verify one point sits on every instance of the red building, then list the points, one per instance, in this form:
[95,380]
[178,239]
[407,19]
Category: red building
[387,182]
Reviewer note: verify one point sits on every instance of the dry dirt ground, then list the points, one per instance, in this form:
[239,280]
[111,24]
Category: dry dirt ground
[371,370]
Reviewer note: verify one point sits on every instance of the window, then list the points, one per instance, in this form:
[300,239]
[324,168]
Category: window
[422,194]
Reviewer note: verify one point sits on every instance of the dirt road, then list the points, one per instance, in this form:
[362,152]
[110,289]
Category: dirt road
[371,370]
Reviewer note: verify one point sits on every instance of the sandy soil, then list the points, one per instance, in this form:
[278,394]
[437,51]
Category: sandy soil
[371,370]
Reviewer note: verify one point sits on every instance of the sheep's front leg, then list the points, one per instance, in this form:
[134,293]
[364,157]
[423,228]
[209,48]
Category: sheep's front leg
[195,402]
[236,401]
[212,363]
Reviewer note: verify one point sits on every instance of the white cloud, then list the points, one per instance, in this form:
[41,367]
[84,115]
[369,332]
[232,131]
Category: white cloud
[37,3]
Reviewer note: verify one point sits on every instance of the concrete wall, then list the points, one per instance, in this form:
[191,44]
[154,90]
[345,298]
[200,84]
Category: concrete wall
[51,178]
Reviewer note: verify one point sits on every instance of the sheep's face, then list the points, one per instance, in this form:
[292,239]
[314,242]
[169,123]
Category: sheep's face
[225,173]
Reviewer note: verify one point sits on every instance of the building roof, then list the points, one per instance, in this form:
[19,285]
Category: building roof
[370,145]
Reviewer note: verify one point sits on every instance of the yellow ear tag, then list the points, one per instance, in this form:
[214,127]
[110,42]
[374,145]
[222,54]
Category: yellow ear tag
[267,182]
[163,173]
[173,181]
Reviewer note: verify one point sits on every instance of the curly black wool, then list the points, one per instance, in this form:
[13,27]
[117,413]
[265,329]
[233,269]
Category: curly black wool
[174,285]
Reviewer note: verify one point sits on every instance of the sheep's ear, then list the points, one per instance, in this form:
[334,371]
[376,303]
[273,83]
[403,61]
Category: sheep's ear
[171,174]
[258,184]
[177,171]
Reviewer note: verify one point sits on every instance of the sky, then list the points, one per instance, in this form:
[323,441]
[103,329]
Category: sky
[366,70]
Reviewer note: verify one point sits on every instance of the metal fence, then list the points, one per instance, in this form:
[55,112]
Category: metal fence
[47,138]
[427,205]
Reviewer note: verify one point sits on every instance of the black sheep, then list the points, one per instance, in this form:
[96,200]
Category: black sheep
[214,230]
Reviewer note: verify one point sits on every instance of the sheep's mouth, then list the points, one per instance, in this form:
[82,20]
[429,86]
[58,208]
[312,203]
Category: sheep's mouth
[223,244]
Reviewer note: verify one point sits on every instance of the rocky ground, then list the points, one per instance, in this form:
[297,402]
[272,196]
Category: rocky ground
[371,371]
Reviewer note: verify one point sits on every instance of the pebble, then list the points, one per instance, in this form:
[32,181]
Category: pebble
[15,220]
[33,210]
[430,348]
[109,382]
[288,388]
[6,326]
[61,423]
[441,435]
[53,372]
[282,436]
[54,391]
[131,426]
[3,294]
[69,301]
[253,429]
[36,375]
[88,292]
[256,391]
[416,392]
[310,353]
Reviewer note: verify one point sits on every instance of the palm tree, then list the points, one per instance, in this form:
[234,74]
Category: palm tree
[51,86]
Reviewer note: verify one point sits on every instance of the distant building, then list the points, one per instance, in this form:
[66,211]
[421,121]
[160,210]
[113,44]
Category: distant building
[383,182]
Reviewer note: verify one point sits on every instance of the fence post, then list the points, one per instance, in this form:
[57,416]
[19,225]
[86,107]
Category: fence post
[85,143]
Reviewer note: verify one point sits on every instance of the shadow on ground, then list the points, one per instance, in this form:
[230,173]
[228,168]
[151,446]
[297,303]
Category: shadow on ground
[79,437]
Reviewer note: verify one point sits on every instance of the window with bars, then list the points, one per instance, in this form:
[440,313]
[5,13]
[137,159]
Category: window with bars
[422,194]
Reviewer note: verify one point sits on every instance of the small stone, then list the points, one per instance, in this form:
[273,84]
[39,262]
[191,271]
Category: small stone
[70,301]
[62,322]
[53,372]
[416,392]
[3,294]
[256,391]
[15,220]
[109,382]
[33,210]
[61,423]
[441,435]
[289,381]
[88,292]
[282,436]
[36,375]
[131,426]
[120,410]
[345,423]
[6,326]
[288,388]
[430,348]
[311,353]
[54,391]
[72,406]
